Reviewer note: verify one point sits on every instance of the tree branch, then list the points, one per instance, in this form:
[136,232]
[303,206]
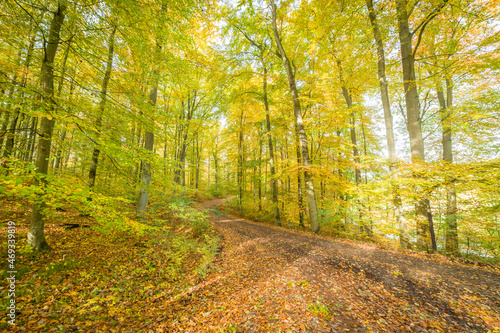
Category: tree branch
[421,27]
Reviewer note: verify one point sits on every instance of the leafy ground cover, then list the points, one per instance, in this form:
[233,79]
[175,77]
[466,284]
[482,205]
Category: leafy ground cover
[271,279]
[106,278]
[179,274]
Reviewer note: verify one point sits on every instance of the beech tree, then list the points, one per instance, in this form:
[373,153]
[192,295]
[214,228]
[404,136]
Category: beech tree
[308,178]
[290,111]
[36,236]
[384,95]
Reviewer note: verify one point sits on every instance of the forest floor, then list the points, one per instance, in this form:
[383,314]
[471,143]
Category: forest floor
[270,279]
[264,279]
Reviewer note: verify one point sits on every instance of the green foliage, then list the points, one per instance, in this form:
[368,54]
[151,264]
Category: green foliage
[320,309]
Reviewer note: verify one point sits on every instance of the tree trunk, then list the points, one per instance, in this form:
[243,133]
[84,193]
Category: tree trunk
[451,235]
[146,166]
[23,142]
[102,104]
[58,164]
[413,120]
[274,186]
[198,159]
[355,152]
[9,143]
[3,130]
[404,239]
[57,161]
[31,142]
[300,198]
[216,167]
[241,160]
[180,172]
[36,236]
[308,178]
[259,180]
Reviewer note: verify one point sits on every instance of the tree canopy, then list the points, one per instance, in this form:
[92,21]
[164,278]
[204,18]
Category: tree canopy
[374,120]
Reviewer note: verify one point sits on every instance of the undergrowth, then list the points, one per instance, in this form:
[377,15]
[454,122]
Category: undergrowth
[110,275]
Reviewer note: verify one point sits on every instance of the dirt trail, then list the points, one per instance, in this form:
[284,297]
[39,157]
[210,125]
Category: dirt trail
[272,279]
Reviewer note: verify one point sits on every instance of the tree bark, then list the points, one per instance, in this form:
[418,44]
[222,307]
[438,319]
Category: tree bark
[355,152]
[308,178]
[413,119]
[183,130]
[216,171]
[58,164]
[198,159]
[31,142]
[274,186]
[9,143]
[259,180]
[404,238]
[36,236]
[3,130]
[57,161]
[142,202]
[241,160]
[18,116]
[102,104]
[451,234]
[300,197]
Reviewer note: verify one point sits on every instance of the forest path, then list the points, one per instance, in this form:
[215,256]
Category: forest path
[273,279]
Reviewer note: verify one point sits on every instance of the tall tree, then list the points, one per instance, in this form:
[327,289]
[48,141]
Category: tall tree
[404,240]
[299,123]
[36,235]
[272,167]
[142,202]
[102,105]
[413,114]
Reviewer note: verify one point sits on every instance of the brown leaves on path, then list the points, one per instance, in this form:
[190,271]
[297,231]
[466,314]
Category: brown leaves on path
[272,279]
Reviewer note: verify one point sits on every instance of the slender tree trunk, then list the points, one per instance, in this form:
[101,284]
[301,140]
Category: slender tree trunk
[404,238]
[198,158]
[31,142]
[265,181]
[36,236]
[18,116]
[3,130]
[308,178]
[142,202]
[102,104]
[451,234]
[355,152]
[259,175]
[209,176]
[274,186]
[241,160]
[300,198]
[368,228]
[180,173]
[182,164]
[58,164]
[413,119]
[23,143]
[216,167]
[11,134]
[57,161]
[7,121]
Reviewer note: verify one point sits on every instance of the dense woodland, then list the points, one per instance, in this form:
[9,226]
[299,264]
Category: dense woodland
[359,119]
[135,135]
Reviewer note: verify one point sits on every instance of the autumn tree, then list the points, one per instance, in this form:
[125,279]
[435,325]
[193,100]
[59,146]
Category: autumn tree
[36,237]
[308,178]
